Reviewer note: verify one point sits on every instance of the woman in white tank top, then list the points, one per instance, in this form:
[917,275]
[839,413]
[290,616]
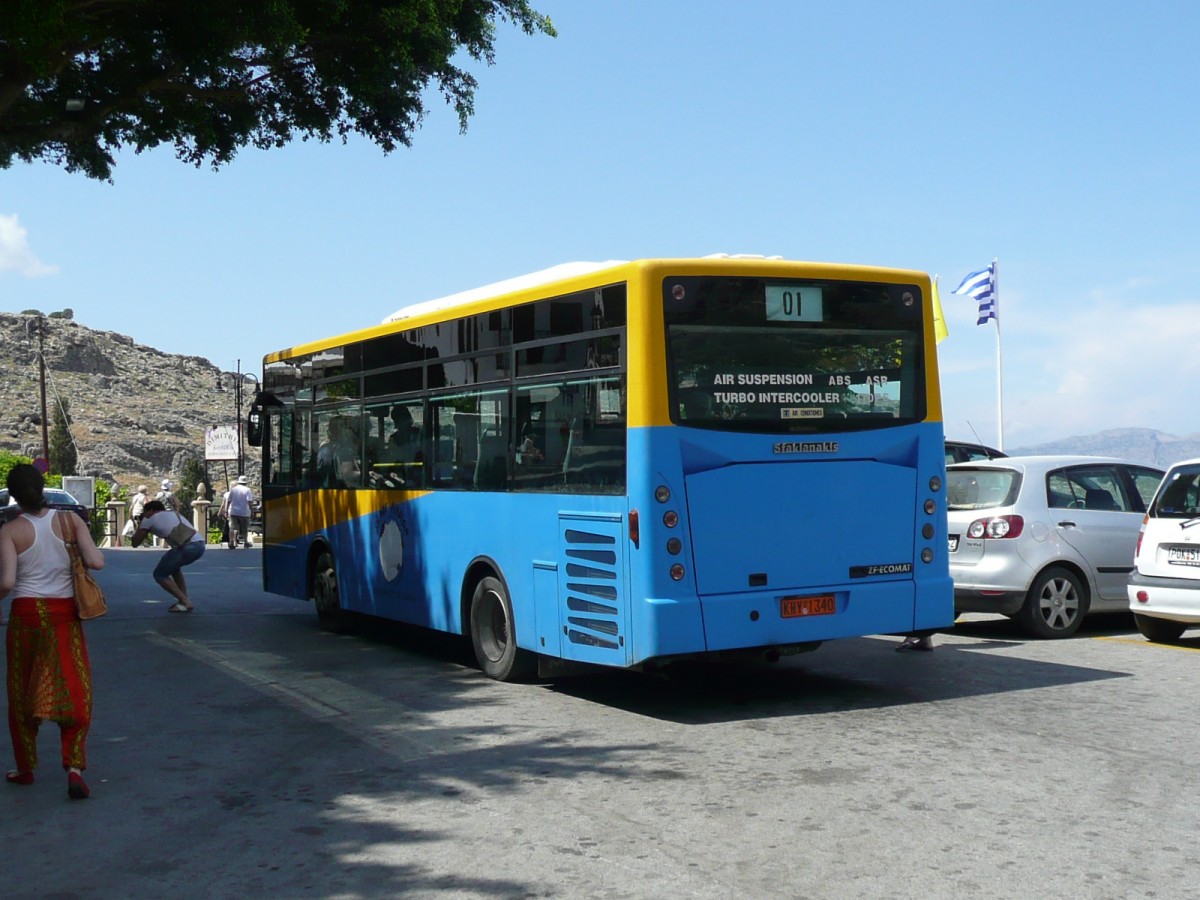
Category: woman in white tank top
[49,677]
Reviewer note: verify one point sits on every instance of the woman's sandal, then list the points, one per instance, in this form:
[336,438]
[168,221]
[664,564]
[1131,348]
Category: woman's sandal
[77,788]
[16,777]
[180,608]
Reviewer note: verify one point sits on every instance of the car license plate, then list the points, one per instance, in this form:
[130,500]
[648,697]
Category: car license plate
[954,543]
[820,605]
[1183,556]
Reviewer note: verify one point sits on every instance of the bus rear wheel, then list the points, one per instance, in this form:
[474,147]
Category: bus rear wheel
[494,635]
[326,597]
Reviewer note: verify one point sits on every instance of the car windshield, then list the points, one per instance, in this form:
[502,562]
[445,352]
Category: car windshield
[53,495]
[981,488]
[1179,496]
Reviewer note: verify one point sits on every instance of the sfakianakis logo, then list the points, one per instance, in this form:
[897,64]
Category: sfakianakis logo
[806,447]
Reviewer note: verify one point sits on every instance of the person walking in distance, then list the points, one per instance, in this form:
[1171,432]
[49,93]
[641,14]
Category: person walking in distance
[49,675]
[138,503]
[185,545]
[240,500]
[166,496]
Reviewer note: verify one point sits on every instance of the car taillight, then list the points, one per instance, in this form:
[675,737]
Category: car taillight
[996,527]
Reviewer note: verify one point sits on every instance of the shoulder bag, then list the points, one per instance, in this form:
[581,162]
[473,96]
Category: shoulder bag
[89,599]
[181,533]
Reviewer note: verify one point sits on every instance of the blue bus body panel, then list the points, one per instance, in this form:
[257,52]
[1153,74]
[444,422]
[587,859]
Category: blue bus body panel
[798,523]
[562,559]
[849,523]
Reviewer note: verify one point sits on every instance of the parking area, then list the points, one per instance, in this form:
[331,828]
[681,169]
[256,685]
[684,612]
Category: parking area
[383,763]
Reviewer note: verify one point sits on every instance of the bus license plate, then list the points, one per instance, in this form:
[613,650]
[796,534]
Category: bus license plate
[820,605]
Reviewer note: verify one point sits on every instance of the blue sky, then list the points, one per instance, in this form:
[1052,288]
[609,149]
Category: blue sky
[1057,137]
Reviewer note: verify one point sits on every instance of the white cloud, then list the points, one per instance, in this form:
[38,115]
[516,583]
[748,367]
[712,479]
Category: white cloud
[15,255]
[1109,367]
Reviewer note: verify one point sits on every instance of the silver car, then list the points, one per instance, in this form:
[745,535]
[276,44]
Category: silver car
[1045,539]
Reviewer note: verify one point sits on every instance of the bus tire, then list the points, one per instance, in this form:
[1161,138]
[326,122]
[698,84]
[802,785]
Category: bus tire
[326,596]
[494,635]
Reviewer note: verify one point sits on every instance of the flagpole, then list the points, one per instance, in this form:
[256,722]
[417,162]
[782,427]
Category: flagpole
[999,358]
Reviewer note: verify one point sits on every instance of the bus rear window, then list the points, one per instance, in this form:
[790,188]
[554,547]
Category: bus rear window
[789,355]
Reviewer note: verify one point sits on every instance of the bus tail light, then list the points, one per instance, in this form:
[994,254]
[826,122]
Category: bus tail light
[635,528]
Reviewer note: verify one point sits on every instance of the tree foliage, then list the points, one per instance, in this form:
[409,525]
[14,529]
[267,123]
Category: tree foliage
[192,474]
[80,79]
[7,461]
[64,455]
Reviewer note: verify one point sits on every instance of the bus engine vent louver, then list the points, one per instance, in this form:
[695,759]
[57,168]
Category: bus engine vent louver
[592,599]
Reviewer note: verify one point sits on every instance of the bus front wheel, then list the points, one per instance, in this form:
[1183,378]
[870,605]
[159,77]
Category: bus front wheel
[494,636]
[326,596]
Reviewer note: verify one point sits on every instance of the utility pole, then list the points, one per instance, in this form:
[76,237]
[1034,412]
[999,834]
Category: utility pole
[40,324]
[238,402]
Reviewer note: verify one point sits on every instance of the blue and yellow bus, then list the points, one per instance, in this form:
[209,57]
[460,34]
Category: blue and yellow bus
[621,463]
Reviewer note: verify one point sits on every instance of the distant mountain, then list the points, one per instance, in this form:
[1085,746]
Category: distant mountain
[1142,445]
[137,413]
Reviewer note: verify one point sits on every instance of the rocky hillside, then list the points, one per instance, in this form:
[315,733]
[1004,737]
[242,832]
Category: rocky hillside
[137,413]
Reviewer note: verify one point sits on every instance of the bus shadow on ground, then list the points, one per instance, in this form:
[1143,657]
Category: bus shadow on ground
[842,676]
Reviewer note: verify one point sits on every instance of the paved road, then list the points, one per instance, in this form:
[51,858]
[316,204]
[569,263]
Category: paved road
[240,751]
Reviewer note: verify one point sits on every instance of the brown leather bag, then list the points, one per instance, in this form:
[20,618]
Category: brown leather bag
[89,599]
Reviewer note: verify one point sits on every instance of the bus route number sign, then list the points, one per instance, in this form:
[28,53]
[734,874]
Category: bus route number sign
[819,605]
[793,303]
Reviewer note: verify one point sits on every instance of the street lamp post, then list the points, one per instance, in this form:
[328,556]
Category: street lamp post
[239,378]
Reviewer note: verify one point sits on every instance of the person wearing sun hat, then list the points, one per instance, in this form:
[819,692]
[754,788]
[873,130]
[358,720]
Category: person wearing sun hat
[240,500]
[166,496]
[136,503]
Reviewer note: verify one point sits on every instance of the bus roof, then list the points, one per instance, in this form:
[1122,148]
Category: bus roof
[563,272]
[507,286]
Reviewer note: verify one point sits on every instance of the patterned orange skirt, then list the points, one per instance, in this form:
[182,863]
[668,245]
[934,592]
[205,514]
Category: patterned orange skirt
[49,678]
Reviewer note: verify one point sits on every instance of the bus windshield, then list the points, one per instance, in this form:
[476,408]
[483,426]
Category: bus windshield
[791,355]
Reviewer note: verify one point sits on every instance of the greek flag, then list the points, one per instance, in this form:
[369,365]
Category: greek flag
[981,286]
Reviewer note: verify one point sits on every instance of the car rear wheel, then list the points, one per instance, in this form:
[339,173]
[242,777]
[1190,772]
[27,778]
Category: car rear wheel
[1055,605]
[1161,631]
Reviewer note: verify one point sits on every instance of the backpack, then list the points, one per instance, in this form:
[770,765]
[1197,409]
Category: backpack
[168,500]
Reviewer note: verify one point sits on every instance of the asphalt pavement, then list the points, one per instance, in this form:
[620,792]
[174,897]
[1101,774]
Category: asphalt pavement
[242,751]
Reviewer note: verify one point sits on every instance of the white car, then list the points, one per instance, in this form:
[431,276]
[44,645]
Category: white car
[1045,539]
[1164,589]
